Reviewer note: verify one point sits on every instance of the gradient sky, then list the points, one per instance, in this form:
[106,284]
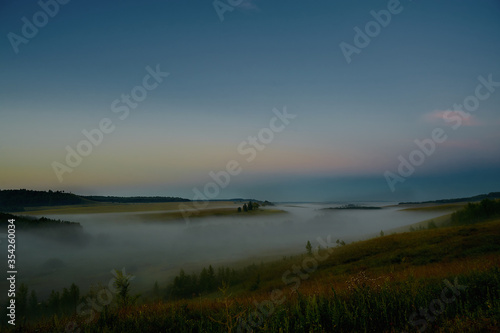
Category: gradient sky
[353,119]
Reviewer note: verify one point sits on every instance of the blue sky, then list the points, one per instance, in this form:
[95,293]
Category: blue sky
[353,120]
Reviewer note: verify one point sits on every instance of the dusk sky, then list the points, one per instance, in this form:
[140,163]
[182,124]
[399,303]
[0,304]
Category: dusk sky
[359,100]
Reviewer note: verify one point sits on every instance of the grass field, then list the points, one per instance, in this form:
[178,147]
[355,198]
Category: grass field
[99,208]
[436,207]
[165,211]
[208,212]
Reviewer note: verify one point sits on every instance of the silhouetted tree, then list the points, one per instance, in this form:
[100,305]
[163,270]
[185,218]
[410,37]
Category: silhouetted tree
[309,248]
[74,293]
[431,225]
[22,300]
[54,302]
[156,291]
[65,300]
[33,308]
[204,280]
[211,278]
[122,284]
[255,285]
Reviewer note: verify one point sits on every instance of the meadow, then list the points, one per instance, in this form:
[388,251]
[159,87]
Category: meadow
[162,211]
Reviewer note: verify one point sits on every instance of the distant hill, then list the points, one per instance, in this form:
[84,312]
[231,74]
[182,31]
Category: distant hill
[492,195]
[17,200]
[98,198]
[352,206]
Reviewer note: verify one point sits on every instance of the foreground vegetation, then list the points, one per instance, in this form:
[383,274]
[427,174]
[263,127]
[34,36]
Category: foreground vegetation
[462,303]
[437,280]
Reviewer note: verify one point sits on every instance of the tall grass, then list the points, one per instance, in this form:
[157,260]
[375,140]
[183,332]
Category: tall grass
[367,305]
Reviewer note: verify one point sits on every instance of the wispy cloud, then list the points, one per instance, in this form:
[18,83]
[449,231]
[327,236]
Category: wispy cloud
[449,117]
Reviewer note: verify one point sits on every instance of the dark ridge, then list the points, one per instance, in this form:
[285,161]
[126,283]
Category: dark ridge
[260,202]
[16,200]
[113,199]
[351,206]
[492,195]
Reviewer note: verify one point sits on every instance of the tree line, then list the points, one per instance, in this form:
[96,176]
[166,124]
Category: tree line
[57,230]
[207,281]
[16,200]
[476,212]
[248,207]
[30,308]
[133,199]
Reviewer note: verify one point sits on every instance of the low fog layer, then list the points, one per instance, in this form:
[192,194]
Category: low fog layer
[156,251]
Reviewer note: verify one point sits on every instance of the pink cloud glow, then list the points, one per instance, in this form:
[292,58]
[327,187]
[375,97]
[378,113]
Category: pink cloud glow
[448,116]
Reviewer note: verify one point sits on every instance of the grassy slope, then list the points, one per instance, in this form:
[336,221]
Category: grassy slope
[440,221]
[396,253]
